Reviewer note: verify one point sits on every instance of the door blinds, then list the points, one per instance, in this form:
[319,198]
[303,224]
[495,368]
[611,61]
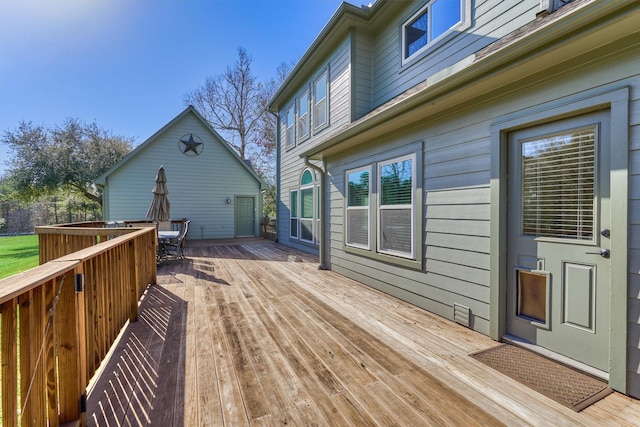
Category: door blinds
[558,185]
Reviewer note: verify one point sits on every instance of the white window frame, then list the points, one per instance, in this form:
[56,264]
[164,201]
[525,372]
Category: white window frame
[463,23]
[318,209]
[411,207]
[290,126]
[293,206]
[317,102]
[303,119]
[354,208]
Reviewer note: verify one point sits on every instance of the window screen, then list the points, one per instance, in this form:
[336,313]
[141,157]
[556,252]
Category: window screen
[558,185]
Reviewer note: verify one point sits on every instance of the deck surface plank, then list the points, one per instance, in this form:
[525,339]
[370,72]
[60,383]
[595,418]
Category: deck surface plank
[251,333]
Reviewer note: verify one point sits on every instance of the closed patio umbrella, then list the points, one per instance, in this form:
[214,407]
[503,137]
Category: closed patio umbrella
[159,208]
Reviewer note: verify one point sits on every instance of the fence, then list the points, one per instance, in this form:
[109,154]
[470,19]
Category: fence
[59,320]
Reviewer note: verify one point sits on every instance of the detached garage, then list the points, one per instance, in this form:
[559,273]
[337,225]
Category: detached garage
[208,182]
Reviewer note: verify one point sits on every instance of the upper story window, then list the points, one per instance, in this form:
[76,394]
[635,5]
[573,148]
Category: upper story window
[303,115]
[290,132]
[429,24]
[320,101]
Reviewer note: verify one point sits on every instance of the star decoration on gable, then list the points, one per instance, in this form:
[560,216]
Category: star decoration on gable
[190,145]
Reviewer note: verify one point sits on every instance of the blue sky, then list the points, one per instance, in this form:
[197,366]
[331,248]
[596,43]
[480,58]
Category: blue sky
[126,64]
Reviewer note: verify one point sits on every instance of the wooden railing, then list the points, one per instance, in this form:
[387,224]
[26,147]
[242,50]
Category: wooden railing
[59,320]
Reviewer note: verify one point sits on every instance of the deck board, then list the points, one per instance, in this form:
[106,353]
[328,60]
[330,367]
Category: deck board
[253,333]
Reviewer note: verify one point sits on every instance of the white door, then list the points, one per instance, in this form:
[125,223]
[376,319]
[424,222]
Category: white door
[558,237]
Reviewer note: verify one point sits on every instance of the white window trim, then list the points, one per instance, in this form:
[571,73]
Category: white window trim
[412,206]
[464,23]
[367,208]
[306,117]
[317,210]
[320,126]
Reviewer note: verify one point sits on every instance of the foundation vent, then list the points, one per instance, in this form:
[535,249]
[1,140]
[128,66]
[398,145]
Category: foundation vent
[461,314]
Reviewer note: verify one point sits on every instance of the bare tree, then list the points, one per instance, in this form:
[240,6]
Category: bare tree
[264,137]
[235,103]
[231,102]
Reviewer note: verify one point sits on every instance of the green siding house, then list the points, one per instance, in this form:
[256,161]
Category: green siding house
[208,182]
[481,160]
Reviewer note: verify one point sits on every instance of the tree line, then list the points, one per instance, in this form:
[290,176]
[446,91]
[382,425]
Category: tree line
[51,170]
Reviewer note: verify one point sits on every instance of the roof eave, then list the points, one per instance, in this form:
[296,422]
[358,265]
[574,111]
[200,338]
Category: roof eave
[345,17]
[430,94]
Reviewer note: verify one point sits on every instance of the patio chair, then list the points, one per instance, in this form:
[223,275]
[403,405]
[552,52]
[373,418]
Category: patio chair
[173,247]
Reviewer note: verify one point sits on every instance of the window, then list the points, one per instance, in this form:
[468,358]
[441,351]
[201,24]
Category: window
[320,104]
[290,124]
[305,209]
[396,188]
[293,209]
[319,208]
[429,24]
[357,216]
[558,185]
[303,115]
[306,206]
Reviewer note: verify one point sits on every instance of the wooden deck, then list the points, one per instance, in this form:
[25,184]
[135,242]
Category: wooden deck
[252,333]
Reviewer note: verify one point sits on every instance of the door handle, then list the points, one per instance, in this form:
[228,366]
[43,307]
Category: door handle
[604,253]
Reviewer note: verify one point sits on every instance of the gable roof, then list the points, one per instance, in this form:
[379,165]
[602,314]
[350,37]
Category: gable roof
[102,179]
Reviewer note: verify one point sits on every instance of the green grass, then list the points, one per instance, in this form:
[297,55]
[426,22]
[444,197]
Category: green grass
[18,253]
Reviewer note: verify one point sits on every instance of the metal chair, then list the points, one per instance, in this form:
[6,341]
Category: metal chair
[173,247]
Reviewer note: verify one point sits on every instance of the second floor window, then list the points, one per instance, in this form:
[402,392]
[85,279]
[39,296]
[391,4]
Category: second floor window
[431,22]
[303,115]
[291,130]
[320,102]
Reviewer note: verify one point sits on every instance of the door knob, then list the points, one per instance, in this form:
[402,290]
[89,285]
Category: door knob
[604,253]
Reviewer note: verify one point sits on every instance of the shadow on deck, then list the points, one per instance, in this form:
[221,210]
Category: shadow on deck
[144,371]
[252,333]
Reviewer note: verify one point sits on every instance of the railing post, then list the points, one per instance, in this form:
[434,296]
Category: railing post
[132,245]
[71,328]
[9,364]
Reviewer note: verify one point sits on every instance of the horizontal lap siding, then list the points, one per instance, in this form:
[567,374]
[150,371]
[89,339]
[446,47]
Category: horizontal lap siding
[456,178]
[634,239]
[291,166]
[456,237]
[362,75]
[198,186]
[490,19]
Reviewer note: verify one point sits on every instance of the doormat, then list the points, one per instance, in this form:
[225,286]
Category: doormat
[561,383]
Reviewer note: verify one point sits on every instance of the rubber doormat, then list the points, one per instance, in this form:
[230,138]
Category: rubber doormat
[565,385]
